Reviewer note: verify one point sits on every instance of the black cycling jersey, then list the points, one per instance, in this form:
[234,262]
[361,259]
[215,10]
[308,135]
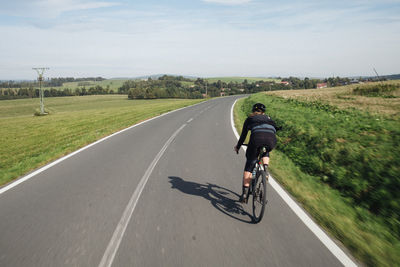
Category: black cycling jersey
[257,124]
[263,131]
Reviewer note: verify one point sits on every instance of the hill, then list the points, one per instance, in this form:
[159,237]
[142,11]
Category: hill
[392,77]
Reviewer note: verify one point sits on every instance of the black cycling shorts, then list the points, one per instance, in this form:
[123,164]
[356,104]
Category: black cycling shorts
[257,141]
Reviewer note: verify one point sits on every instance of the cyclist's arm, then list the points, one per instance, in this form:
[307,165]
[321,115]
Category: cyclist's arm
[243,135]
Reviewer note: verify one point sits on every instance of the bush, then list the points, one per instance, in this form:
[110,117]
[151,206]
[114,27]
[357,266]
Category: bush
[377,90]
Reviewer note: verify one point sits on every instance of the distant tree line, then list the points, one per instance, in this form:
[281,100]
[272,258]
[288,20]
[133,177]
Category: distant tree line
[60,81]
[165,87]
[31,92]
[174,87]
[53,82]
[175,78]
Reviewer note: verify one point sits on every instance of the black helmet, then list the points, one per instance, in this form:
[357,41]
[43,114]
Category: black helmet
[258,107]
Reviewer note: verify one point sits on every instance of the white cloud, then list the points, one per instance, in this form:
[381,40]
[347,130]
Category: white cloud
[194,51]
[60,6]
[50,8]
[256,40]
[228,2]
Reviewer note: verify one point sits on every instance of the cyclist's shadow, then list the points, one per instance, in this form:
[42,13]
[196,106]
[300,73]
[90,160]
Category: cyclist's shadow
[217,195]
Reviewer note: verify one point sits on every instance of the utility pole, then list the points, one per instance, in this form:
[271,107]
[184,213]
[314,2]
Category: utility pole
[206,88]
[40,72]
[379,78]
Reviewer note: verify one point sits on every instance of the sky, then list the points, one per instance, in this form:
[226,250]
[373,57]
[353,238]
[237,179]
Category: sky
[202,38]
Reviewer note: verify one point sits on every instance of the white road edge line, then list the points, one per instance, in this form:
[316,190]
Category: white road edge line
[322,236]
[116,239]
[27,177]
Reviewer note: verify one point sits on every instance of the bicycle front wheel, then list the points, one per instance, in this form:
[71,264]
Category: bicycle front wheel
[259,196]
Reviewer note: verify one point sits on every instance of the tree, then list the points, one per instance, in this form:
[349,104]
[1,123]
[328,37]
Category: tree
[53,92]
[136,93]
[307,83]
[150,94]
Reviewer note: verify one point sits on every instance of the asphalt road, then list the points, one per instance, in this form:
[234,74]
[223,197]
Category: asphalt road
[163,193]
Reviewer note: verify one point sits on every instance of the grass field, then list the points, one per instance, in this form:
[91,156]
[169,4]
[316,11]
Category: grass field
[240,79]
[323,161]
[29,142]
[114,84]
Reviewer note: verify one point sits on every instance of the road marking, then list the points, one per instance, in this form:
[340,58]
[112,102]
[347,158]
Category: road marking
[322,236]
[190,120]
[27,177]
[116,239]
[205,109]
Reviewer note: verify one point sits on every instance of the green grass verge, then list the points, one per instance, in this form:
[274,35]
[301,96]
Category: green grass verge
[29,141]
[366,235]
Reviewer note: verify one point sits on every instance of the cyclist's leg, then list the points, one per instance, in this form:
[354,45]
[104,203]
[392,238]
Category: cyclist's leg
[246,185]
[269,142]
[251,159]
[265,159]
[248,168]
[246,178]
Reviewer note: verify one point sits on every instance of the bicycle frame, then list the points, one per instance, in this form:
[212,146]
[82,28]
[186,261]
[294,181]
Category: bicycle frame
[257,190]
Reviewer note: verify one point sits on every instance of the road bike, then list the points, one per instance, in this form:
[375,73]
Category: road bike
[258,187]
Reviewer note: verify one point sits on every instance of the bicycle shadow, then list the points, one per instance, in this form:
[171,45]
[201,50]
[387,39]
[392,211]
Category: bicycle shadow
[217,195]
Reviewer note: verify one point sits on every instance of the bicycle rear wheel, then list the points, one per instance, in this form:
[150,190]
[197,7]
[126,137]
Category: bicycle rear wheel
[259,196]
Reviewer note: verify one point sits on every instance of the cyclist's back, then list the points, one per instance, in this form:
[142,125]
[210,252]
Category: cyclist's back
[263,130]
[261,127]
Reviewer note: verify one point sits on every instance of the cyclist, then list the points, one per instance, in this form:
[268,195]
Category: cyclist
[263,131]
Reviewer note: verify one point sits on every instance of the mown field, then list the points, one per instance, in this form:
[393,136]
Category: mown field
[344,97]
[340,161]
[28,142]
